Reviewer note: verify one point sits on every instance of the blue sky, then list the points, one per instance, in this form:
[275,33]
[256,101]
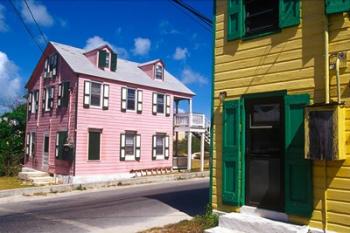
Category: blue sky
[139,30]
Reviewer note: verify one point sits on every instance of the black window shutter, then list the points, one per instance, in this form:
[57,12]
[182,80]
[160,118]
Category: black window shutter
[65,94]
[94,145]
[114,62]
[102,58]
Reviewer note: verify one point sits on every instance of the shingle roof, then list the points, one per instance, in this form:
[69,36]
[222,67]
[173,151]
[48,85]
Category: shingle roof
[127,71]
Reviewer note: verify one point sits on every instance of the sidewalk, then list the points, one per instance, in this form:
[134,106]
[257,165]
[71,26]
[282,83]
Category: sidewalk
[85,186]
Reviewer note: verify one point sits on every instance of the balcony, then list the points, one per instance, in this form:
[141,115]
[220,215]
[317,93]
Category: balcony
[190,121]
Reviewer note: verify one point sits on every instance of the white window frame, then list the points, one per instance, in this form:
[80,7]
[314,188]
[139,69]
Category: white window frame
[101,94]
[31,138]
[131,157]
[33,102]
[127,100]
[47,98]
[155,72]
[164,104]
[162,156]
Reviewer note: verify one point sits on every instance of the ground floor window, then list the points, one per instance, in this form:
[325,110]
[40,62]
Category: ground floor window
[130,146]
[94,144]
[160,146]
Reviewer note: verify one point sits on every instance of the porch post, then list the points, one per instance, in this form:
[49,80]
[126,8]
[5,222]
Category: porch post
[189,137]
[189,151]
[176,133]
[202,152]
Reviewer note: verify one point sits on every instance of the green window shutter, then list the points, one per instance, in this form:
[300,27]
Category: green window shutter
[298,170]
[114,62]
[234,19]
[289,13]
[102,55]
[231,157]
[94,145]
[62,139]
[337,6]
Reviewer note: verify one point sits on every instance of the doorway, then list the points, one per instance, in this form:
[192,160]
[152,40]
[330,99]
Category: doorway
[264,165]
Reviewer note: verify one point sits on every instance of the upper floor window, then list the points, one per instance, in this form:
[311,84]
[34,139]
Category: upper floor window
[161,104]
[261,16]
[107,60]
[96,94]
[131,99]
[50,67]
[159,72]
[257,17]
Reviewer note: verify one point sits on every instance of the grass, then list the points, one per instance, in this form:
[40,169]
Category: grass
[11,183]
[196,164]
[197,225]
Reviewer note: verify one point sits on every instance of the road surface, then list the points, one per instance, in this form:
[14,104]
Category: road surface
[117,210]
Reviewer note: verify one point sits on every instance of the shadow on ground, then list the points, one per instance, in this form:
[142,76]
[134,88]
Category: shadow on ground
[191,202]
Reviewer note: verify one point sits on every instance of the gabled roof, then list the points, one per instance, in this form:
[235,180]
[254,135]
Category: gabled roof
[127,71]
[151,62]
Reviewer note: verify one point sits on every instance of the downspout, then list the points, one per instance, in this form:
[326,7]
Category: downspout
[326,59]
[326,72]
[337,63]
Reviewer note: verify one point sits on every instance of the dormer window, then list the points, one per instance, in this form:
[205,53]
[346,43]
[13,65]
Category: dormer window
[159,72]
[107,60]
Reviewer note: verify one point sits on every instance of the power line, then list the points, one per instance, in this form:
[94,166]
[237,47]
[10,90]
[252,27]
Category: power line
[195,18]
[36,23]
[195,12]
[25,25]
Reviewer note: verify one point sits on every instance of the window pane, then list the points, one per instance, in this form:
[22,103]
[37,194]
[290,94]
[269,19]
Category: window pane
[159,145]
[131,99]
[160,103]
[159,72]
[107,60]
[130,144]
[46,144]
[62,139]
[261,16]
[94,145]
[95,94]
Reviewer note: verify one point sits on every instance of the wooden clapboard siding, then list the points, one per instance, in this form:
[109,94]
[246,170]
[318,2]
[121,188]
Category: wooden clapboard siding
[291,60]
[56,120]
[113,122]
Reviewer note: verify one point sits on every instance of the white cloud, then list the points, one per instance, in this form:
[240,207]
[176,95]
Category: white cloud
[166,28]
[141,46]
[188,76]
[40,13]
[3,26]
[9,78]
[97,41]
[180,53]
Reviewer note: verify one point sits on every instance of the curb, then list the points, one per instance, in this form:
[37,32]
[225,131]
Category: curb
[61,188]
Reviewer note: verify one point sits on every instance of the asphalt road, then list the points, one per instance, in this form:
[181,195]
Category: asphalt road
[118,210]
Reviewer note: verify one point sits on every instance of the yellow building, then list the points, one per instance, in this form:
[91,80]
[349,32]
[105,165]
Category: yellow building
[281,122]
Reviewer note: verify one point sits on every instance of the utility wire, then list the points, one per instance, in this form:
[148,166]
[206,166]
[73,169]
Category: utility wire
[25,25]
[200,22]
[195,12]
[36,23]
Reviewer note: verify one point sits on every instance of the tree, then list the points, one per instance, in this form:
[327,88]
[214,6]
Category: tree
[12,130]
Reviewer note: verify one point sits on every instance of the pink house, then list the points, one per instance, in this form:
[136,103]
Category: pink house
[93,115]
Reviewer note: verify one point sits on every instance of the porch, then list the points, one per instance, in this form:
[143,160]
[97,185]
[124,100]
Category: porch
[192,125]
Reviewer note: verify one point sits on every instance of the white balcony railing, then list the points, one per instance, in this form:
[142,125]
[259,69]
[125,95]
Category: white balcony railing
[194,120]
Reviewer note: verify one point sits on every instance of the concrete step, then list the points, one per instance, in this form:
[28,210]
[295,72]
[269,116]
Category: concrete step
[27,169]
[41,183]
[252,224]
[221,230]
[28,175]
[42,179]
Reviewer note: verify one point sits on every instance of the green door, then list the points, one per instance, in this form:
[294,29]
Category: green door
[231,158]
[298,170]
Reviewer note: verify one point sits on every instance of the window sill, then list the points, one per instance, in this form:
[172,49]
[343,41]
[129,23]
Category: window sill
[251,37]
